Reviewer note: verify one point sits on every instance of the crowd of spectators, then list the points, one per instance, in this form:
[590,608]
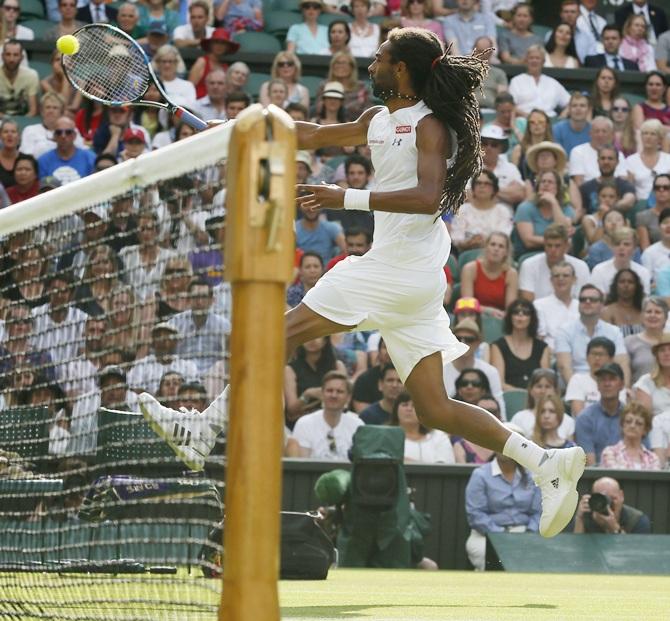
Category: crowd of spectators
[560,275]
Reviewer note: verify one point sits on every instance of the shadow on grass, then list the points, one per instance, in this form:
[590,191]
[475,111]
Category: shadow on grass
[330,612]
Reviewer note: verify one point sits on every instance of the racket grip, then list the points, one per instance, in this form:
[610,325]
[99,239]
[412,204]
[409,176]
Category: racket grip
[190,119]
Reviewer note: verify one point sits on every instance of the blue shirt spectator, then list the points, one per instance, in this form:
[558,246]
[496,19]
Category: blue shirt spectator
[596,428]
[466,25]
[528,211]
[307,43]
[568,138]
[493,503]
[66,162]
[318,235]
[573,338]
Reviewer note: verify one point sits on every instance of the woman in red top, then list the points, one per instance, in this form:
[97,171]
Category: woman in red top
[27,179]
[216,47]
[490,278]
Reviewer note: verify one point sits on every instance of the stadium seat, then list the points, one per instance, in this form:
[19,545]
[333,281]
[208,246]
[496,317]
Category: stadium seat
[287,5]
[327,18]
[277,23]
[526,255]
[23,430]
[633,98]
[468,255]
[452,263]
[254,83]
[39,26]
[24,121]
[515,401]
[541,31]
[31,8]
[258,42]
[42,67]
[312,83]
[492,327]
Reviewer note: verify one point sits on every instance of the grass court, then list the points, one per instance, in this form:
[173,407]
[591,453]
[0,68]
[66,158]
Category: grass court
[347,595]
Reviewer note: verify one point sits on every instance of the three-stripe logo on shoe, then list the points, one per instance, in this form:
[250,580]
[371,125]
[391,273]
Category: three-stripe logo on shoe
[181,435]
[555,483]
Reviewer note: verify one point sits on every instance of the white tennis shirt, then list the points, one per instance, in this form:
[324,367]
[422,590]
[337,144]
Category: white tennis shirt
[415,241]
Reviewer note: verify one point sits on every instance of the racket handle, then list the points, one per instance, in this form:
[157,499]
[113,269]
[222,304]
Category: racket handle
[190,119]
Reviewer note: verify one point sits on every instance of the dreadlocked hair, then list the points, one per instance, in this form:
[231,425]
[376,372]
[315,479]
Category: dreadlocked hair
[447,84]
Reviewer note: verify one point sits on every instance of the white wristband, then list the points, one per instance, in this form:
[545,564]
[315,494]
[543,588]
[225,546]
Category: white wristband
[357,199]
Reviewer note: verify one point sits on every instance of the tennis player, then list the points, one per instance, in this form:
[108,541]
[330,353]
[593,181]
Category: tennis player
[425,148]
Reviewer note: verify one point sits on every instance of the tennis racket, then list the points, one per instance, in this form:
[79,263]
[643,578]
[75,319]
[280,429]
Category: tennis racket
[112,68]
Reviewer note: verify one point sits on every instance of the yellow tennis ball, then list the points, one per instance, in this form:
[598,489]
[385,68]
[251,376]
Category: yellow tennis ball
[67,44]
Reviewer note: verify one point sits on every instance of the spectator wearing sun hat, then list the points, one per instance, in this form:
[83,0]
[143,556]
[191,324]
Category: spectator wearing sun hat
[543,157]
[219,44]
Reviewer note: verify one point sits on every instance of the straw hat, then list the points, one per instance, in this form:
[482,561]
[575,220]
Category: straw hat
[665,340]
[546,145]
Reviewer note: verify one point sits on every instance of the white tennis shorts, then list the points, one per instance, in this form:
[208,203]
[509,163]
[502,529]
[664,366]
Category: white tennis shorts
[404,305]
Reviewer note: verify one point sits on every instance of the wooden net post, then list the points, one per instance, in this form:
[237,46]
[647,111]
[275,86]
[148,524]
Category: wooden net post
[259,249]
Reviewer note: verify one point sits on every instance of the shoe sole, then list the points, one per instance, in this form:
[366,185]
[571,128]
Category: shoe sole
[158,430]
[574,469]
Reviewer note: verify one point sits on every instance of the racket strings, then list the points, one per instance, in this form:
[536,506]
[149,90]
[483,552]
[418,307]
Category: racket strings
[108,66]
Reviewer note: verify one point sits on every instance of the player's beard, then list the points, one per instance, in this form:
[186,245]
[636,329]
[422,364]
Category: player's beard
[383,91]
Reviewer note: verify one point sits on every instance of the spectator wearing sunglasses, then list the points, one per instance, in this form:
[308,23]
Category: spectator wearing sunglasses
[572,339]
[519,352]
[308,37]
[66,162]
[467,331]
[471,385]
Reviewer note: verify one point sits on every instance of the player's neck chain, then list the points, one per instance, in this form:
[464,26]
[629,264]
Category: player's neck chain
[391,94]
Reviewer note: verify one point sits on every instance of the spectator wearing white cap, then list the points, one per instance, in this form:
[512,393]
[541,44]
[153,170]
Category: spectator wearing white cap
[511,190]
[146,373]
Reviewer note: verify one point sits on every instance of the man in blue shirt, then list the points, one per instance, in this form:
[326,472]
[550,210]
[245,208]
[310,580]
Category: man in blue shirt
[598,425]
[66,162]
[466,26]
[499,497]
[573,339]
[390,386]
[574,130]
[319,235]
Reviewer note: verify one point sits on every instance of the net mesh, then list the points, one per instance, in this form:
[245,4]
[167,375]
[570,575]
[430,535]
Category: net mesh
[109,66]
[99,519]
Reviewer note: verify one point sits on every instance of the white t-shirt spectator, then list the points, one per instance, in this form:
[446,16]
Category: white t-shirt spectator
[584,161]
[659,437]
[583,387]
[603,274]
[37,140]
[470,221]
[656,258]
[311,432]
[546,94]
[185,32]
[643,177]
[551,315]
[660,396]
[62,340]
[434,448]
[535,275]
[181,92]
[506,172]
[526,420]
[144,281]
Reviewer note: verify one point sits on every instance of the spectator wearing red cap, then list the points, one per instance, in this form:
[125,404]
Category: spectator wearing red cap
[216,47]
[133,143]
[470,308]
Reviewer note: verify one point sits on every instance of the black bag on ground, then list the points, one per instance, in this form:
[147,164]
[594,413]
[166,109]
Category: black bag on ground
[306,551]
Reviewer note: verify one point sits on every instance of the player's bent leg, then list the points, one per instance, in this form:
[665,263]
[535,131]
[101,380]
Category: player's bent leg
[303,324]
[556,471]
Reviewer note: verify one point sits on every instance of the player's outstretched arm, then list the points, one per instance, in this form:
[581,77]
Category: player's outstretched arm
[313,136]
[432,141]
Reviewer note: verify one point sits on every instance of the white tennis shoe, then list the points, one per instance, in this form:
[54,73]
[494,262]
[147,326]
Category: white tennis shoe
[557,479]
[191,435]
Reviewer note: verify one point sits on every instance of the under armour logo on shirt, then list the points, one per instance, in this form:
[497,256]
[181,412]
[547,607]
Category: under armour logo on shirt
[396,142]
